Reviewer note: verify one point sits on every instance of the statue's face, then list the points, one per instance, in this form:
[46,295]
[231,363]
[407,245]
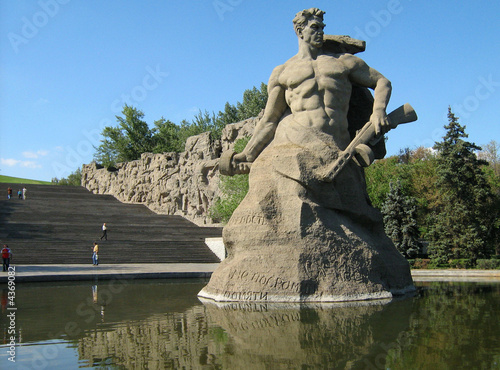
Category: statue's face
[313,32]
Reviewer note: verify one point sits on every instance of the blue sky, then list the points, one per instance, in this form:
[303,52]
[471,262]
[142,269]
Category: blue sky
[68,66]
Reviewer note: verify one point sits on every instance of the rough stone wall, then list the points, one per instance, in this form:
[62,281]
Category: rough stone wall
[183,184]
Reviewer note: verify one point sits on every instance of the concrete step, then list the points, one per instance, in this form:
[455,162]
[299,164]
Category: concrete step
[58,224]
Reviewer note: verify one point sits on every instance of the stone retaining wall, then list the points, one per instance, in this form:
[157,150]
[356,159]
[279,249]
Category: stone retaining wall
[183,184]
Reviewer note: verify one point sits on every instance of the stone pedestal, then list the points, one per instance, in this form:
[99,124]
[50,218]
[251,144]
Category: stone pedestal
[297,239]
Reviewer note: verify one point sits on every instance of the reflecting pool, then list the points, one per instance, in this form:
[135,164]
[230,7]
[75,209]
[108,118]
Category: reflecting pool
[161,324]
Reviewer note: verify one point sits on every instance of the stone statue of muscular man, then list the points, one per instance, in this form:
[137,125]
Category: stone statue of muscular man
[296,237]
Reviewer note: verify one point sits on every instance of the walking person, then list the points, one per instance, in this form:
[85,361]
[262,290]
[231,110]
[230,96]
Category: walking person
[20,194]
[6,256]
[104,232]
[24,193]
[95,255]
[9,192]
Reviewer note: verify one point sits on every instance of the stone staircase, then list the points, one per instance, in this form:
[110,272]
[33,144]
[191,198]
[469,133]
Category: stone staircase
[58,225]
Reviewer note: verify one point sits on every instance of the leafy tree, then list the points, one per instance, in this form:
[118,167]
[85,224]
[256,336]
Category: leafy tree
[400,222]
[166,137]
[202,122]
[463,221]
[254,101]
[491,154]
[380,174]
[136,130]
[74,179]
[229,115]
[416,172]
[126,142]
[112,147]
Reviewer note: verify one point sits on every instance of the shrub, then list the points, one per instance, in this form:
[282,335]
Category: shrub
[420,263]
[492,264]
[437,264]
[462,263]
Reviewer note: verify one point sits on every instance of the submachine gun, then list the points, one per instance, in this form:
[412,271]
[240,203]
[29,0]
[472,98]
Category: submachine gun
[359,150]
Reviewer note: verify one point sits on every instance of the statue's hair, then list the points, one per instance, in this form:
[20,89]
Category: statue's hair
[302,17]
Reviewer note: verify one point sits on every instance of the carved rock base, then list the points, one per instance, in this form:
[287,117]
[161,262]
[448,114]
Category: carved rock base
[297,239]
[345,264]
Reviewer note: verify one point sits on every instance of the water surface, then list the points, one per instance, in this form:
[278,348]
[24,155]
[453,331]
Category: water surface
[161,324]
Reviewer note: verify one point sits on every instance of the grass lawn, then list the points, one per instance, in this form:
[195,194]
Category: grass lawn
[17,180]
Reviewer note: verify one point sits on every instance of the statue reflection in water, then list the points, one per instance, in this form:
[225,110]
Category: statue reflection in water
[344,336]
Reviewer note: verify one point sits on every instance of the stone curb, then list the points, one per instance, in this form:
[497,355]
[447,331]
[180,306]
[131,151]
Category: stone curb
[479,276]
[47,273]
[456,272]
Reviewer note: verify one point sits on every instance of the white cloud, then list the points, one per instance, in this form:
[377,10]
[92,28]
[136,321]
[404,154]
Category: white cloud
[10,162]
[30,164]
[34,155]
[30,155]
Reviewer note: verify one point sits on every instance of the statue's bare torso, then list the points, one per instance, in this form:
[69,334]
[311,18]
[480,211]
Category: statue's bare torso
[317,92]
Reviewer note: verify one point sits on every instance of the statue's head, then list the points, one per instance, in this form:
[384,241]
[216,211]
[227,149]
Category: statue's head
[306,18]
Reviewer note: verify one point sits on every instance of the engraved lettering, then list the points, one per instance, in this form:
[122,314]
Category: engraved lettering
[250,219]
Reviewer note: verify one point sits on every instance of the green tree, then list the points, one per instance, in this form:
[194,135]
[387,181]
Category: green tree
[254,101]
[136,130]
[202,122]
[491,154]
[73,179]
[166,137]
[463,221]
[127,141]
[400,223]
[416,172]
[380,174]
[229,115]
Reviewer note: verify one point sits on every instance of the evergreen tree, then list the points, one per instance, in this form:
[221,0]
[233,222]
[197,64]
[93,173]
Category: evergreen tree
[400,223]
[463,226]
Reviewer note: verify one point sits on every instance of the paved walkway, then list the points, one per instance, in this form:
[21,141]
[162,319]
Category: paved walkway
[456,275]
[74,272]
[31,273]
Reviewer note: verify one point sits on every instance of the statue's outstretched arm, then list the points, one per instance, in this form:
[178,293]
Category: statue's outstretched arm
[265,128]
